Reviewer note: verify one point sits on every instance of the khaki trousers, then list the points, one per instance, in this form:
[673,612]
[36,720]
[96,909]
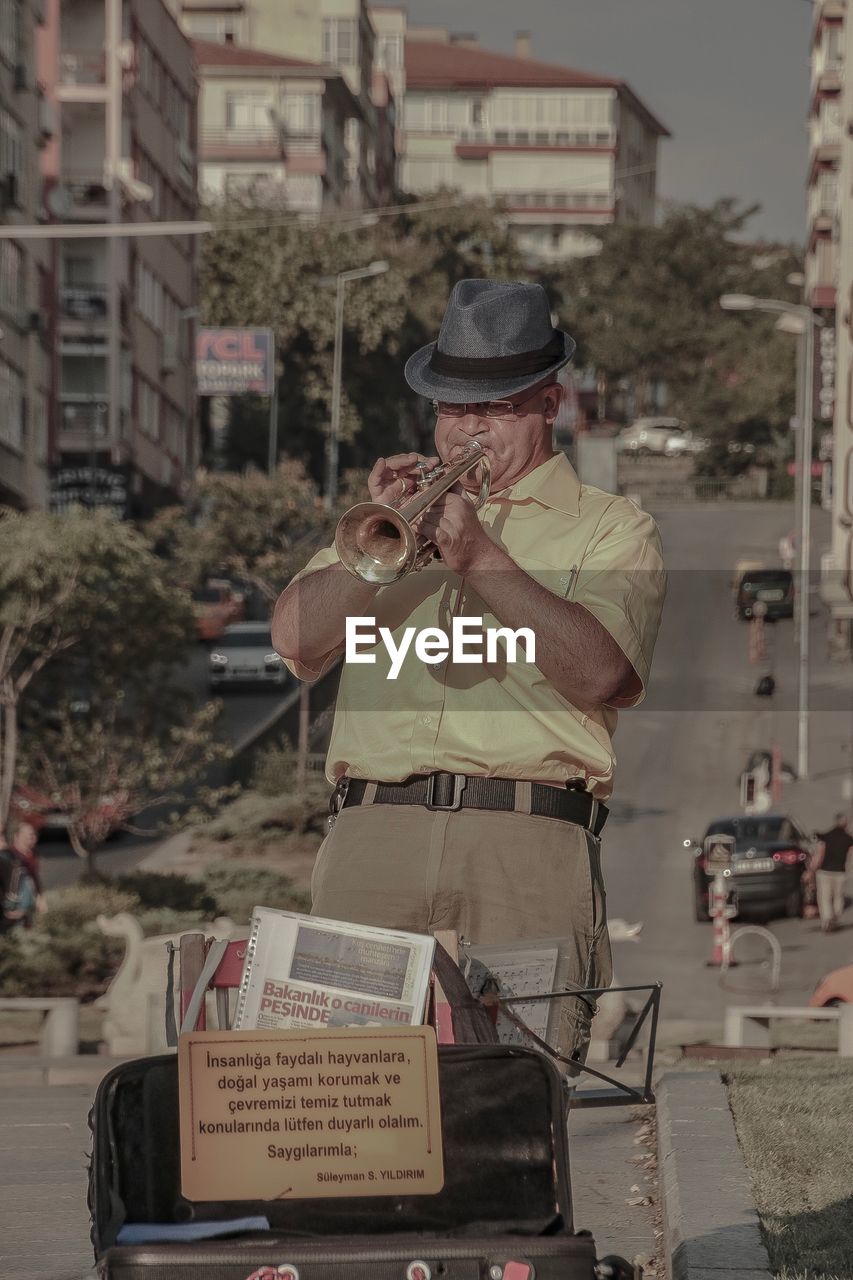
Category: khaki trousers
[490,876]
[830,895]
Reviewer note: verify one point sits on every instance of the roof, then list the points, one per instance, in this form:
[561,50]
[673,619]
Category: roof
[433,64]
[209,53]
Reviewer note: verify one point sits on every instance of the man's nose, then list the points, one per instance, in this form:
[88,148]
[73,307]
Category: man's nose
[473,423]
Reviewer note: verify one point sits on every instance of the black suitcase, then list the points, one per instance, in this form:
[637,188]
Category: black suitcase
[505,1208]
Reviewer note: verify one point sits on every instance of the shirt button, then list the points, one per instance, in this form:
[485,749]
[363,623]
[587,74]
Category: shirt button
[426,719]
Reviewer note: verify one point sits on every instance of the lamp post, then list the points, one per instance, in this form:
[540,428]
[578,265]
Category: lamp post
[340,281]
[801,320]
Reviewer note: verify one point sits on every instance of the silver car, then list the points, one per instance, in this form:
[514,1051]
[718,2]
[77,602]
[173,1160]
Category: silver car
[244,655]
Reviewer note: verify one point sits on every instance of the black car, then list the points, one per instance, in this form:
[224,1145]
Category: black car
[773,588]
[770,855]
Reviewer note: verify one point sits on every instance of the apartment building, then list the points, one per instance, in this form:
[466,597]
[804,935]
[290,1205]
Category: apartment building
[123,429]
[24,127]
[829,281]
[337,37]
[825,130]
[565,151]
[273,127]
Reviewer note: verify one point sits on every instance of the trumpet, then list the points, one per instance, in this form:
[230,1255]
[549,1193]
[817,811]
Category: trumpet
[379,543]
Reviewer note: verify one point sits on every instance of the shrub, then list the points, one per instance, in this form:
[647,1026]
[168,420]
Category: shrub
[175,892]
[275,768]
[239,888]
[253,816]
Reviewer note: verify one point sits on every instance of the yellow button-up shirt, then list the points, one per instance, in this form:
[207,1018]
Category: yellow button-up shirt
[503,719]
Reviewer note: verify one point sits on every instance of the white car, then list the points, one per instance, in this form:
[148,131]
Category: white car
[244,655]
[684,442]
[650,435]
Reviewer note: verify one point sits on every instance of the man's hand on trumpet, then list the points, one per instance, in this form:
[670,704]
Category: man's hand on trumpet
[452,524]
[396,477]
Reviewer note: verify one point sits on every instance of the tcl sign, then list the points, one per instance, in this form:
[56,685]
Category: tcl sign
[230,362]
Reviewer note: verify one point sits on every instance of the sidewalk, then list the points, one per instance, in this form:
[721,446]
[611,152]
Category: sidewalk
[44,1145]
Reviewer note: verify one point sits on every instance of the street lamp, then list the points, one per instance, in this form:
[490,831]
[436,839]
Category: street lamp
[340,281]
[801,320]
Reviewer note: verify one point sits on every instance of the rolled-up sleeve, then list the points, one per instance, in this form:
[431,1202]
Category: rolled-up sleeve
[622,583]
[323,559]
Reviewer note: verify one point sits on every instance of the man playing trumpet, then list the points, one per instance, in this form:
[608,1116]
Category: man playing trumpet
[470,789]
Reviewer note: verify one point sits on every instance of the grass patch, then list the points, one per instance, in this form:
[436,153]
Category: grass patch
[794,1121]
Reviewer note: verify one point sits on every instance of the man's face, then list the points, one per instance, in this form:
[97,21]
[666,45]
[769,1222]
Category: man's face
[515,442]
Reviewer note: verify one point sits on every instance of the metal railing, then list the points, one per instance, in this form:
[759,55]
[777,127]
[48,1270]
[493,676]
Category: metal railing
[82,66]
[84,415]
[86,188]
[556,199]
[83,301]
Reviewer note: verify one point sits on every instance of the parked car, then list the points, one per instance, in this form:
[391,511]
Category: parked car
[770,857]
[650,435]
[834,988]
[46,813]
[682,443]
[216,606]
[774,588]
[244,655]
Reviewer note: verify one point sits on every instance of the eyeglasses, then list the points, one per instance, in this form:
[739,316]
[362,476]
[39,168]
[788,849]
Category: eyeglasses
[483,408]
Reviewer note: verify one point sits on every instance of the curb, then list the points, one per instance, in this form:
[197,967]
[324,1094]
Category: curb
[710,1225]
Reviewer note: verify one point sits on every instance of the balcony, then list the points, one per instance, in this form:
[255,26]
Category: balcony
[568,201]
[87,196]
[82,67]
[263,143]
[83,301]
[83,420]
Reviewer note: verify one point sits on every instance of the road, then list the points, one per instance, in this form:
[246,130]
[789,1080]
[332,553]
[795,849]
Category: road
[680,752]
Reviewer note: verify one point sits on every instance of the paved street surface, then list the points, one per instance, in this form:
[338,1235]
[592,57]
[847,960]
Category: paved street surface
[44,1142]
[679,755]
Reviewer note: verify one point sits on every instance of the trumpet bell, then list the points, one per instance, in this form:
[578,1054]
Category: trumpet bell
[376,543]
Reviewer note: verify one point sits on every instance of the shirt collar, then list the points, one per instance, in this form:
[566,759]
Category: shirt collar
[554,483]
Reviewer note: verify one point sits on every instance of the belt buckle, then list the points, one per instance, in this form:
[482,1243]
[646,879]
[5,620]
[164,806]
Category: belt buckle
[459,784]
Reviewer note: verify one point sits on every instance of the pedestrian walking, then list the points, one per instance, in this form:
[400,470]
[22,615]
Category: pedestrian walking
[831,871]
[24,842]
[471,797]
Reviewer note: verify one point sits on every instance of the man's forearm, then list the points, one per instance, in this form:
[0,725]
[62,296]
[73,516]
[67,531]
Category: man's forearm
[573,649]
[310,615]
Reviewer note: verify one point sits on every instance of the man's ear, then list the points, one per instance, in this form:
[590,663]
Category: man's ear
[553,400]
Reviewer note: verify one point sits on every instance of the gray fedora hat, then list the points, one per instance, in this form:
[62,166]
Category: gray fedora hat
[496,339]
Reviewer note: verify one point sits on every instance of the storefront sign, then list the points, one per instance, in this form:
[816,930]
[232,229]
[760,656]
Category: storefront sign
[289,1115]
[231,362]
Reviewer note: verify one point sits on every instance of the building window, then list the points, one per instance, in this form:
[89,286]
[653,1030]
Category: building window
[11,278]
[11,30]
[147,409]
[11,407]
[221,28]
[301,112]
[390,52]
[249,113]
[340,40]
[12,157]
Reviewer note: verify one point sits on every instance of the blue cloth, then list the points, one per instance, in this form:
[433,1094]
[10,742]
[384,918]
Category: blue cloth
[151,1232]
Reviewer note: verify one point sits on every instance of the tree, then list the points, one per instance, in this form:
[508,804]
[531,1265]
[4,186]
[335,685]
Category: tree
[254,527]
[646,310]
[259,269]
[104,768]
[84,605]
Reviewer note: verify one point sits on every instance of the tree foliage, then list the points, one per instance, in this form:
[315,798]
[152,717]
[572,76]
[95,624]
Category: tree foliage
[260,270]
[84,606]
[646,310]
[254,527]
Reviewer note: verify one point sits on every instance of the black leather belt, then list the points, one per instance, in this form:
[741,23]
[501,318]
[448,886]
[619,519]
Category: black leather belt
[452,791]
